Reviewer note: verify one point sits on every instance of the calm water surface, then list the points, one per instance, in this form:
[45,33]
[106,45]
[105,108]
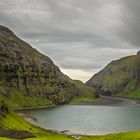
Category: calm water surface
[87,120]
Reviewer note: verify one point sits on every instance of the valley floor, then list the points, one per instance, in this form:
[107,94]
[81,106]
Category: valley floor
[116,101]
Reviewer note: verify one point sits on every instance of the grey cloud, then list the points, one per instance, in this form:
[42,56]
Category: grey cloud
[130,30]
[76,34]
[79,56]
[60,20]
[58,36]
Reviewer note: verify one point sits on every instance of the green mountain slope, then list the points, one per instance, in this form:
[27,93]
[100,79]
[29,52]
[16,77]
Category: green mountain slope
[120,77]
[83,98]
[29,78]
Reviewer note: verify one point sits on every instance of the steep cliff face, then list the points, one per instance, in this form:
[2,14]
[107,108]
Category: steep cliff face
[120,77]
[29,78]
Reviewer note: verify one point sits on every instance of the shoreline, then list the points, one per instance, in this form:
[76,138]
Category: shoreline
[31,119]
[34,108]
[102,101]
[116,101]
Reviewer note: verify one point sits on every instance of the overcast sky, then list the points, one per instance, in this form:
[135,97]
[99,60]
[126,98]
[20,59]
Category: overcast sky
[81,36]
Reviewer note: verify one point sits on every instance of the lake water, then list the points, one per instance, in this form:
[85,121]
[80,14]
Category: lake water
[87,120]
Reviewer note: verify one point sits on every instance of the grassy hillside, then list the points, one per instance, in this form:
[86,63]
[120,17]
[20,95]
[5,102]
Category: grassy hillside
[83,98]
[120,77]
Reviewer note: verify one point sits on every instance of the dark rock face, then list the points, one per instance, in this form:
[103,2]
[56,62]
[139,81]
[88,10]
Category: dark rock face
[3,109]
[15,134]
[120,76]
[23,70]
[138,53]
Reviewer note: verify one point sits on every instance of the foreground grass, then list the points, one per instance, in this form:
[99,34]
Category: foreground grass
[5,138]
[121,136]
[52,137]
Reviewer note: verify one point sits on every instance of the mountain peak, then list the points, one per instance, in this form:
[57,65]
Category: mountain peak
[5,32]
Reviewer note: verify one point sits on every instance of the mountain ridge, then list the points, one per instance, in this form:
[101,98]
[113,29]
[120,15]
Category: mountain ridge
[29,78]
[120,77]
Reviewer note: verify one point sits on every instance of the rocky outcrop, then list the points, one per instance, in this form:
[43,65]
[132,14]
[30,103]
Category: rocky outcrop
[3,109]
[119,77]
[138,53]
[25,73]
[15,134]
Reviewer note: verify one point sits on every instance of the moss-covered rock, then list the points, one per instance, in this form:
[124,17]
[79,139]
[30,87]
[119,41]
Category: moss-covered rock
[3,109]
